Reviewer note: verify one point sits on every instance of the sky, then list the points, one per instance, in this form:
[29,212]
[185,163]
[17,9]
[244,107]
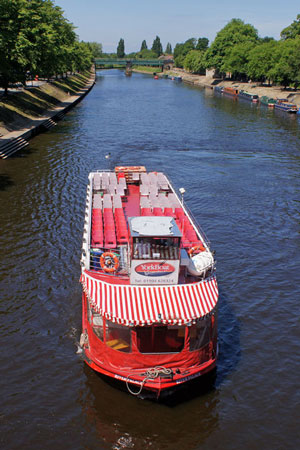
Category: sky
[106,21]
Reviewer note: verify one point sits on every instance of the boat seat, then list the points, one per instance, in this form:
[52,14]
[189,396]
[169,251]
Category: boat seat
[155,202]
[174,200]
[157,211]
[97,238]
[146,212]
[113,179]
[144,202]
[120,190]
[117,201]
[144,189]
[162,181]
[107,201]
[179,212]
[97,181]
[191,235]
[135,176]
[169,212]
[122,182]
[111,189]
[110,239]
[97,201]
[145,178]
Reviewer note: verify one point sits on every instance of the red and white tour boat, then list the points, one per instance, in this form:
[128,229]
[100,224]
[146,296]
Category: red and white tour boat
[149,286]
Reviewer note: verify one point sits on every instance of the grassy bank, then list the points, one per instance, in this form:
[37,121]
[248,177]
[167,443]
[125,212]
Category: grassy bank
[18,108]
[146,69]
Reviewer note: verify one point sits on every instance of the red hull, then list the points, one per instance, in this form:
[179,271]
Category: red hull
[132,368]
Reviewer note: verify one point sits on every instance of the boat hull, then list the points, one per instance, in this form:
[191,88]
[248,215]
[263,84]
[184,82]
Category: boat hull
[136,384]
[138,372]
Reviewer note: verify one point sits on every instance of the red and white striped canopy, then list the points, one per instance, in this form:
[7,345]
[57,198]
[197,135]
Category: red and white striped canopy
[145,305]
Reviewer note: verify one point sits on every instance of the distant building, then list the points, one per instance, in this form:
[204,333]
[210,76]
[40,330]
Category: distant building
[168,61]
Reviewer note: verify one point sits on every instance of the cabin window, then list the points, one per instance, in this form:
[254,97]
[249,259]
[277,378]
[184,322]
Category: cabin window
[97,324]
[118,337]
[160,339]
[156,248]
[96,321]
[199,334]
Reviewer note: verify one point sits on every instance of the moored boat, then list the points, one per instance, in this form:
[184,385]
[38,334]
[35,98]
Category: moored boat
[218,89]
[149,286]
[267,101]
[230,91]
[284,105]
[248,96]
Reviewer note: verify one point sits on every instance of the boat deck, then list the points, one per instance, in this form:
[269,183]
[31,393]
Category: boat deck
[117,197]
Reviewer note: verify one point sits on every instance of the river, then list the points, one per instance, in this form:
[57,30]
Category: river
[240,165]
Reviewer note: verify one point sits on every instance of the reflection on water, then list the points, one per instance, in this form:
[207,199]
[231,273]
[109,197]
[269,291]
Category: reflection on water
[239,164]
[112,413]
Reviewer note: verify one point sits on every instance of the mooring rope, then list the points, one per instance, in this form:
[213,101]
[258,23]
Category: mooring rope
[151,374]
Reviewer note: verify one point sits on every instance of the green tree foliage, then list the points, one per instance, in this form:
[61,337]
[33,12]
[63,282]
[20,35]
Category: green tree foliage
[146,54]
[121,49]
[286,69]
[157,47]
[194,62]
[168,49]
[144,45]
[261,60]
[181,50]
[235,32]
[202,43]
[292,31]
[237,58]
[95,48]
[35,37]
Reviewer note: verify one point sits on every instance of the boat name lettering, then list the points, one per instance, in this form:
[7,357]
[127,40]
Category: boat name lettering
[154,269]
[191,377]
[119,377]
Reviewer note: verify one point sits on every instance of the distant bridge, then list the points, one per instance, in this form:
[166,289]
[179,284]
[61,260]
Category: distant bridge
[134,62]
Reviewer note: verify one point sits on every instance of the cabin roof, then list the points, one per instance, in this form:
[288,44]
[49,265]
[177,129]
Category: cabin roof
[153,226]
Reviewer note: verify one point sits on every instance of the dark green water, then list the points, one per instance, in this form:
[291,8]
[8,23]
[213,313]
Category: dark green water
[239,164]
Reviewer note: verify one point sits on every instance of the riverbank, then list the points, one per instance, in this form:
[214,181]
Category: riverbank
[26,112]
[255,88]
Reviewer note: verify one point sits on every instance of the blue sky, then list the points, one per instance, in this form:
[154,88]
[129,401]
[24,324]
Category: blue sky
[172,20]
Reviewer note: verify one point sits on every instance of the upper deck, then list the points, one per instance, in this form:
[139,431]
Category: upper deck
[137,231]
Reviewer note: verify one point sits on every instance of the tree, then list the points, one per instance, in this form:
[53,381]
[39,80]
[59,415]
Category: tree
[235,32]
[36,38]
[236,59]
[292,31]
[181,50]
[261,60]
[144,46]
[286,70]
[121,49]
[157,47]
[95,48]
[194,63]
[202,43]
[146,54]
[168,49]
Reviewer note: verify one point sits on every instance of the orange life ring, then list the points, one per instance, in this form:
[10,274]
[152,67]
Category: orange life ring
[197,249]
[109,262]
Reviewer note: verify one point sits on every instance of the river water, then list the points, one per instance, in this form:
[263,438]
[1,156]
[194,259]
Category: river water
[239,164]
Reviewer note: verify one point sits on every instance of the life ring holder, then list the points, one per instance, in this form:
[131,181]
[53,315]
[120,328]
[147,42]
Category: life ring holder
[196,249]
[111,259]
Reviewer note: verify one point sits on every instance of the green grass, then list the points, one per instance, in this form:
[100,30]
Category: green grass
[147,69]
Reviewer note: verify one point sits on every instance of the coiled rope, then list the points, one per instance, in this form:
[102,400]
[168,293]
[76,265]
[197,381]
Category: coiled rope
[151,374]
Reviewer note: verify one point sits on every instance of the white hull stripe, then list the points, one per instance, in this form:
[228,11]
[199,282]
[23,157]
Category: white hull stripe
[142,305]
